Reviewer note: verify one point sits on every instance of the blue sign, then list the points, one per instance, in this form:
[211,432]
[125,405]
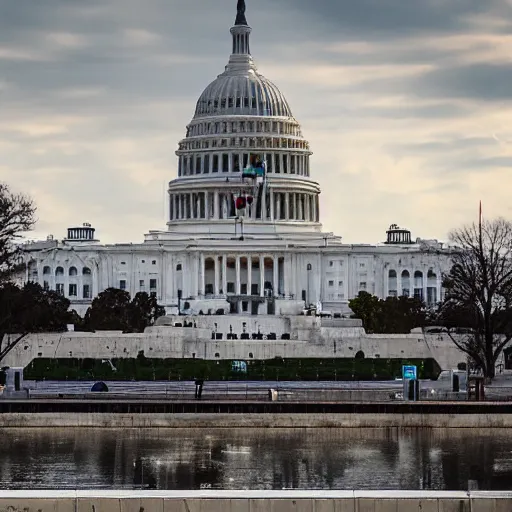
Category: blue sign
[409,372]
[239,366]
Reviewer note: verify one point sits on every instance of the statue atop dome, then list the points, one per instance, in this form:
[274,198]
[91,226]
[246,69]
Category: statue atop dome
[240,13]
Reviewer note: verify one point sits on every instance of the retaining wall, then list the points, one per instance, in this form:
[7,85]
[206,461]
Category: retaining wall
[255,501]
[180,342]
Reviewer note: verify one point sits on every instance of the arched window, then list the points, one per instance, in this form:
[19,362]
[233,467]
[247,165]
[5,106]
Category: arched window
[392,283]
[86,271]
[178,267]
[418,285]
[47,270]
[432,297]
[406,283]
[73,271]
[59,271]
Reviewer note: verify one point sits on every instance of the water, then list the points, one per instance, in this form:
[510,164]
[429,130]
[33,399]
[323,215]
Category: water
[255,459]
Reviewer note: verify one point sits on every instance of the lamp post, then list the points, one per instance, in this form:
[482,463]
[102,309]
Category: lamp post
[308,268]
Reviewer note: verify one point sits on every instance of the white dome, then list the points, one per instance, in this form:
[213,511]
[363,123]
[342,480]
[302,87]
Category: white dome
[242,92]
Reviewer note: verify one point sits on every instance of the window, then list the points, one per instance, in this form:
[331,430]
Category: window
[73,271]
[340,284]
[86,271]
[72,290]
[331,263]
[231,288]
[341,263]
[331,283]
[362,285]
[123,262]
[46,285]
[178,267]
[143,261]
[59,271]
[59,288]
[152,284]
[47,270]
[153,262]
[86,291]
[122,284]
[341,295]
[362,265]
[141,284]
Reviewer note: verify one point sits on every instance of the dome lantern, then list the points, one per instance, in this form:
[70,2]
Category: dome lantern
[241,32]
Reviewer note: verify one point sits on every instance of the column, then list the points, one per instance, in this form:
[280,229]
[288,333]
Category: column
[95,278]
[399,283]
[286,275]
[216,283]
[191,199]
[224,274]
[202,276]
[206,204]
[275,270]
[230,162]
[262,276]
[238,281]
[278,205]
[287,206]
[439,286]
[249,275]
[272,205]
[424,282]
[281,161]
[307,204]
[216,205]
[301,212]
[264,205]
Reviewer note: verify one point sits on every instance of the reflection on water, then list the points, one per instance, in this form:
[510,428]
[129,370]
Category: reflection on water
[255,459]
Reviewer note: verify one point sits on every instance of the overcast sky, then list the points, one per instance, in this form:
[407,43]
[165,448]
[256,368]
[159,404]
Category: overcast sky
[407,105]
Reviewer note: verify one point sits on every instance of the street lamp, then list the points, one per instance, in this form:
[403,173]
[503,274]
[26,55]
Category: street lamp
[308,268]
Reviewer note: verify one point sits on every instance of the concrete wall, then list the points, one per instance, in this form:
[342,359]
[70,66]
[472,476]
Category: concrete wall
[254,420]
[256,501]
[309,339]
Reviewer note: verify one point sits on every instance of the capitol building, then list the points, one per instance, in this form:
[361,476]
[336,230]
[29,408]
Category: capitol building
[244,232]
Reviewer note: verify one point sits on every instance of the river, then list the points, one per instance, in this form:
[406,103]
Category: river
[433,459]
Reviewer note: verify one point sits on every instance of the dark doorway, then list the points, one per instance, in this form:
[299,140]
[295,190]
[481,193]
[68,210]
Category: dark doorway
[17,381]
[254,307]
[508,358]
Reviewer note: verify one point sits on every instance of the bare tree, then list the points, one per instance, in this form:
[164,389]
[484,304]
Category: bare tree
[479,290]
[17,216]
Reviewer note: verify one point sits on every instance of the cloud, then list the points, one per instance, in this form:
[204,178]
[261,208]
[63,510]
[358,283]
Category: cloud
[406,105]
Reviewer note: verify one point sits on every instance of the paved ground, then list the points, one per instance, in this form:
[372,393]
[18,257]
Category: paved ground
[187,389]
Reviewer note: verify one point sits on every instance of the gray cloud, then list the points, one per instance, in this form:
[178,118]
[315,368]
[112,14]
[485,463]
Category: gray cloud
[482,81]
[95,96]
[371,19]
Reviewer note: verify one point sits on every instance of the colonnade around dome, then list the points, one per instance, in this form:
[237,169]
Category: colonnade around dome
[221,205]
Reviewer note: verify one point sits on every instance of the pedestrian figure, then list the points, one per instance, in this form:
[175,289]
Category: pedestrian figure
[199,388]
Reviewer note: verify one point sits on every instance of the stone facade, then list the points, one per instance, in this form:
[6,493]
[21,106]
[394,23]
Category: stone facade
[243,232]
